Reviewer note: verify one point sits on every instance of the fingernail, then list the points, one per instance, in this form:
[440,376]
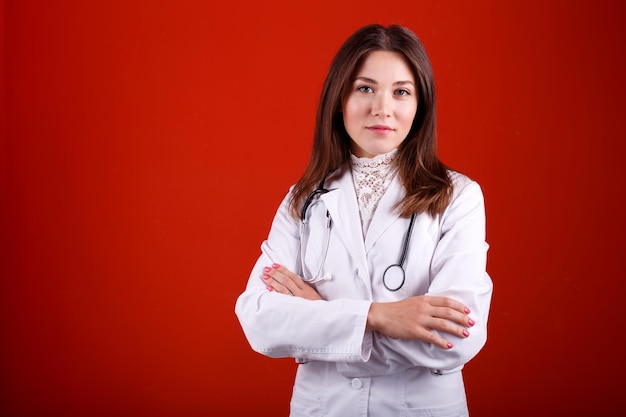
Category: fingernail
[471,322]
[467,310]
[275,266]
[465,333]
[265,276]
[270,288]
[449,345]
[267,269]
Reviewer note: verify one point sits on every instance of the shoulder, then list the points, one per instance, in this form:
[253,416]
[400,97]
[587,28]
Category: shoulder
[464,186]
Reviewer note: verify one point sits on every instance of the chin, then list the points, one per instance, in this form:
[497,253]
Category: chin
[374,150]
[380,150]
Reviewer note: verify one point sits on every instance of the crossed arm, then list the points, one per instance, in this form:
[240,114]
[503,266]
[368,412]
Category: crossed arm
[414,318]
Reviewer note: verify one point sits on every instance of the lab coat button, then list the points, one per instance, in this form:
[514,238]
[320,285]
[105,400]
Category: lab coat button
[356,383]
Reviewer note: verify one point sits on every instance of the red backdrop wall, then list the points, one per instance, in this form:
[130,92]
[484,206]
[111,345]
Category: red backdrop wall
[147,144]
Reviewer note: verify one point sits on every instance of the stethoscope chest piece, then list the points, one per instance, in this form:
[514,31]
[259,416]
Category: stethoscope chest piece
[393,278]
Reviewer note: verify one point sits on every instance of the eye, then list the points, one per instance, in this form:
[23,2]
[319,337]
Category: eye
[403,92]
[365,89]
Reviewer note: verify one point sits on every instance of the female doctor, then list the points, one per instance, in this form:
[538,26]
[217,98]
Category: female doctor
[373,276]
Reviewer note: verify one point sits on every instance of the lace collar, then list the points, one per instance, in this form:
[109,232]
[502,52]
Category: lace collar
[371,178]
[379,161]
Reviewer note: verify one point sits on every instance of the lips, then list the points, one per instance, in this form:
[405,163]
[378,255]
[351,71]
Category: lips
[380,129]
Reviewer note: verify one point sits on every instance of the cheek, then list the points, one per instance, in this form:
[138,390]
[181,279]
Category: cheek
[351,112]
[407,115]
[351,107]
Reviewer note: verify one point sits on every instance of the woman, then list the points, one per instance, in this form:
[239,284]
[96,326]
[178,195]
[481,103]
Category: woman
[373,275]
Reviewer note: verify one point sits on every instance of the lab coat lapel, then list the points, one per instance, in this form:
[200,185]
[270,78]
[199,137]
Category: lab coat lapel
[344,210]
[385,213]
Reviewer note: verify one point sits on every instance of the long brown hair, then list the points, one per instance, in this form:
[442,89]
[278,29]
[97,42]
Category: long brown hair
[423,175]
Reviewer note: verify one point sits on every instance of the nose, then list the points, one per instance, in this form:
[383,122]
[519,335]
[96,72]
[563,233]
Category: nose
[381,106]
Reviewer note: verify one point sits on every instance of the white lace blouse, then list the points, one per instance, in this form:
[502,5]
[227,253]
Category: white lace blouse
[371,178]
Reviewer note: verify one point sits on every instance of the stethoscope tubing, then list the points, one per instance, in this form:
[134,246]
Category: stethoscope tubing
[407,239]
[400,265]
[394,276]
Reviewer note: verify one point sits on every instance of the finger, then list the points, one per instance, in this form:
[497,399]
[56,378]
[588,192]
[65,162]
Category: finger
[461,318]
[271,283]
[279,281]
[293,281]
[456,306]
[274,276]
[268,281]
[451,314]
[450,303]
[446,326]
[275,285]
[435,339]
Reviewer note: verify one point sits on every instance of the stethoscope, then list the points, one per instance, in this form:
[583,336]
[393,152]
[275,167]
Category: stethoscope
[393,277]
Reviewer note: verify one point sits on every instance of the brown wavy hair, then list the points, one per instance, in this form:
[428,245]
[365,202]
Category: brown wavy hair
[424,177]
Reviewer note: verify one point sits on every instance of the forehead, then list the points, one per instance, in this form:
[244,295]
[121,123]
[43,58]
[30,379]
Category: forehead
[385,65]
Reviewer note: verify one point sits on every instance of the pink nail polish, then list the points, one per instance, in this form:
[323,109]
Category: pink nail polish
[267,269]
[275,266]
[465,333]
[270,288]
[467,310]
[471,322]
[265,276]
[449,345]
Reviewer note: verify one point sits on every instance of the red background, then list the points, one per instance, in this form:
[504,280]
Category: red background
[147,144]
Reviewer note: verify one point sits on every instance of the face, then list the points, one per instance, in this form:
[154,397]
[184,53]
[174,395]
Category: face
[380,105]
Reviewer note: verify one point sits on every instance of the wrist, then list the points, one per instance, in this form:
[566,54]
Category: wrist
[373,319]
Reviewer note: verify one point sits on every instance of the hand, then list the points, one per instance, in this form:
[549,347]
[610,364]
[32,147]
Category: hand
[417,317]
[280,279]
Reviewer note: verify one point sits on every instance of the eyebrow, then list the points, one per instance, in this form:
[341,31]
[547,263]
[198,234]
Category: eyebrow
[369,80]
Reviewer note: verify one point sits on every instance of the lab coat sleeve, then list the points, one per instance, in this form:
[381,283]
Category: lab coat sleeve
[458,271]
[278,325]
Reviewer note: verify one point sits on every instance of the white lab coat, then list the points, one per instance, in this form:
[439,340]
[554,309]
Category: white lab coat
[345,370]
